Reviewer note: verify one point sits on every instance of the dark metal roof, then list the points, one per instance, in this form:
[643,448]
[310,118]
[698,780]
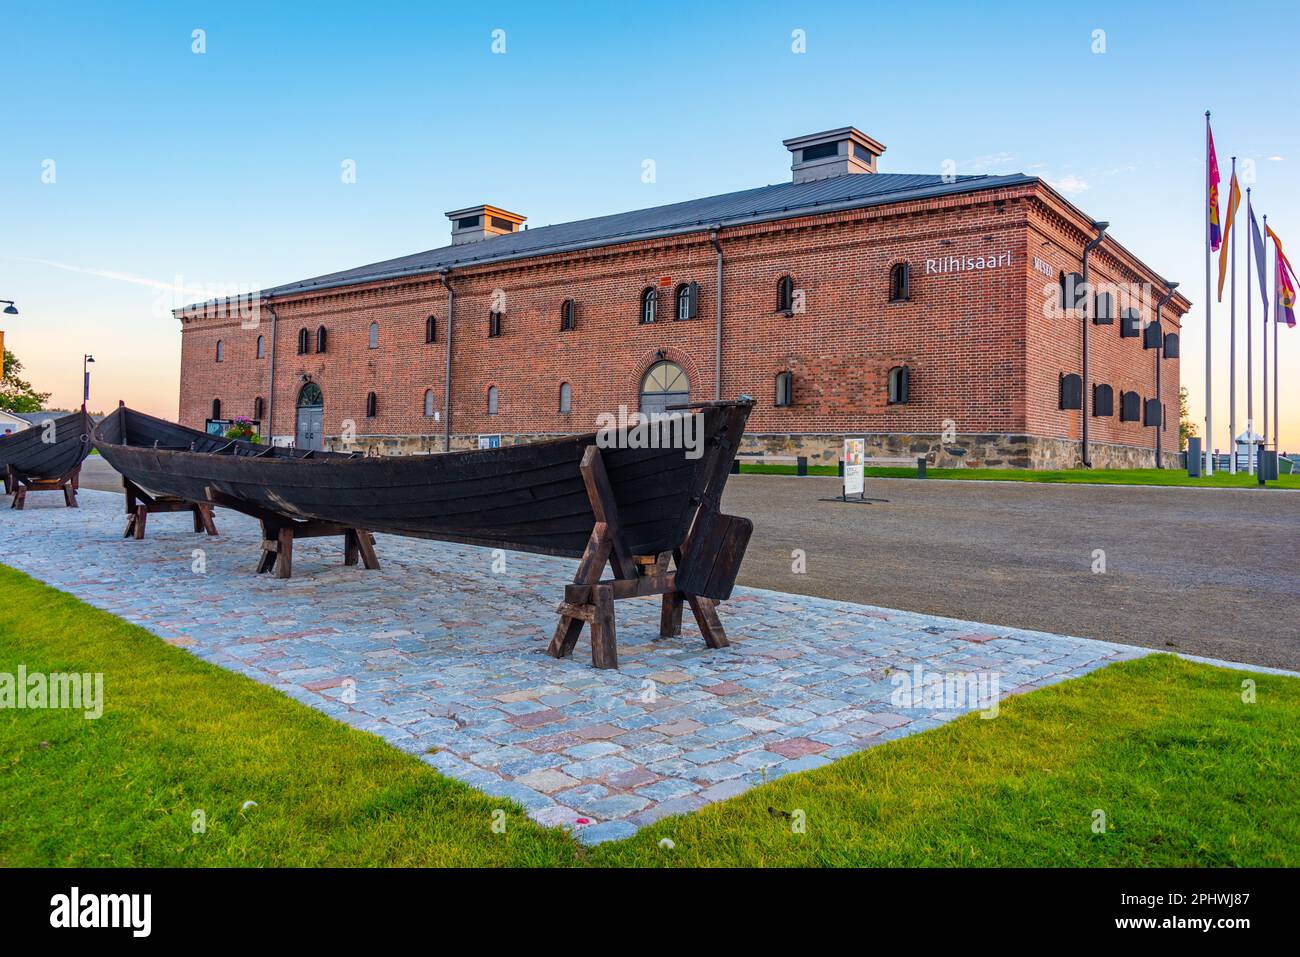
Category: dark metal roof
[764,203]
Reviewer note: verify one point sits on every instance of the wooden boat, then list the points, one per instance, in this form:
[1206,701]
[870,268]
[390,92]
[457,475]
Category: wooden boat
[153,484]
[631,497]
[46,458]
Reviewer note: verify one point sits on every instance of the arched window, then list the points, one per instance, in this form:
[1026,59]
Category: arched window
[664,384]
[492,400]
[428,402]
[1130,406]
[784,390]
[304,342]
[374,335]
[900,282]
[566,398]
[216,408]
[321,339]
[431,329]
[649,305]
[494,324]
[1103,400]
[568,315]
[1071,388]
[261,347]
[1152,412]
[687,297]
[259,408]
[1130,321]
[1151,336]
[785,295]
[218,350]
[1105,310]
[1171,345]
[1072,290]
[310,396]
[372,403]
[900,385]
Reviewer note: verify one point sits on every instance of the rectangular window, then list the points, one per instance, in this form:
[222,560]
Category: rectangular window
[494,324]
[821,152]
[864,154]
[499,223]
[467,222]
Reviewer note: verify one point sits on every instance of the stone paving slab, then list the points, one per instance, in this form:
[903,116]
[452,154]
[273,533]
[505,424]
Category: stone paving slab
[442,655]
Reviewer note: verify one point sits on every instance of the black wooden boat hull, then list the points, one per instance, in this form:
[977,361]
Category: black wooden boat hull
[30,453]
[528,497]
[120,438]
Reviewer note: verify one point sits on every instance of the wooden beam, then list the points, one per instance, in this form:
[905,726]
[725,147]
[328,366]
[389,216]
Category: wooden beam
[605,508]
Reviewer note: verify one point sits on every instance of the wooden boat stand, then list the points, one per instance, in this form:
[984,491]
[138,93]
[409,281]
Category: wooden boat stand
[706,564]
[19,484]
[279,531]
[140,505]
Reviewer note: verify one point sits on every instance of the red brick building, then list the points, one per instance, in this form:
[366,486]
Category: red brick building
[933,315]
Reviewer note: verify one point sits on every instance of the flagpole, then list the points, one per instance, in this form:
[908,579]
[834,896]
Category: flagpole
[1263,294]
[1232,343]
[1205,202]
[1250,362]
[1277,405]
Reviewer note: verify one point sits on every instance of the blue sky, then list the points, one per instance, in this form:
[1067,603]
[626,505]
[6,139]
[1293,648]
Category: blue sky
[225,167]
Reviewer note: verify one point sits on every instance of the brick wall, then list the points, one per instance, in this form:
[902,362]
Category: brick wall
[983,358]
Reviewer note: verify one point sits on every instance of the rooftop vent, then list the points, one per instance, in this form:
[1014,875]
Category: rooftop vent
[833,153]
[482,222]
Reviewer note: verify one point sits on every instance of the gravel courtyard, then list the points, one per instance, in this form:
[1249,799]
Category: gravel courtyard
[1213,572]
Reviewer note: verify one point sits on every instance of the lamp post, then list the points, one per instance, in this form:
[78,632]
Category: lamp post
[85,380]
[10,310]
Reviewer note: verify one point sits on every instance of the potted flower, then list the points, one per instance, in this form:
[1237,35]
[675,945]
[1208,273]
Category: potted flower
[242,428]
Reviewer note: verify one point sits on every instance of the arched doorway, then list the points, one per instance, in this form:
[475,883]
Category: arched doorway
[311,418]
[664,384]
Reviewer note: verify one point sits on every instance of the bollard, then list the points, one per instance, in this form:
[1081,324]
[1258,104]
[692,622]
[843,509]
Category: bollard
[920,467]
[735,466]
[801,465]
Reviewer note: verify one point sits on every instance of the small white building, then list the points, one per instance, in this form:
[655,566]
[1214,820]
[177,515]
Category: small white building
[11,422]
[1247,449]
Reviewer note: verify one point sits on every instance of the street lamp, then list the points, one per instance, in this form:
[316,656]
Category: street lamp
[10,310]
[85,380]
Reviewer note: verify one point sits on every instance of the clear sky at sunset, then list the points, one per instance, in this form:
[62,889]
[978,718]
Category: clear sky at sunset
[223,168]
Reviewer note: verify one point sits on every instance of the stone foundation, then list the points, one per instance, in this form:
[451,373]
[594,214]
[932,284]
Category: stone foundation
[978,450]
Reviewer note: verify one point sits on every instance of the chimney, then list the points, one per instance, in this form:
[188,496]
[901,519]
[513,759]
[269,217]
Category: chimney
[473,223]
[833,153]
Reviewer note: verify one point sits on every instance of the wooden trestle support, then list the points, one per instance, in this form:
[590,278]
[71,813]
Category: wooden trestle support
[19,484]
[706,562]
[279,532]
[140,505]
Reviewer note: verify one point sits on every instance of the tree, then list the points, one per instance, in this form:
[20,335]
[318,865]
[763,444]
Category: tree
[1186,427]
[17,395]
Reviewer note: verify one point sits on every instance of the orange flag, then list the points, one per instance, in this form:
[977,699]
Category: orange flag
[1234,200]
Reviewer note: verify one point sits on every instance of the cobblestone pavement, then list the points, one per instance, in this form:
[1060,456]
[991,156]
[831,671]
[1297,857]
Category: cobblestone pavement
[441,654]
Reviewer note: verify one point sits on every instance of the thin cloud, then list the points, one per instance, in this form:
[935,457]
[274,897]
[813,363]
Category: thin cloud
[1069,183]
[982,164]
[109,274]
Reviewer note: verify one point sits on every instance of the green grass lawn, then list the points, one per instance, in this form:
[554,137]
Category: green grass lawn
[1185,772]
[1074,476]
